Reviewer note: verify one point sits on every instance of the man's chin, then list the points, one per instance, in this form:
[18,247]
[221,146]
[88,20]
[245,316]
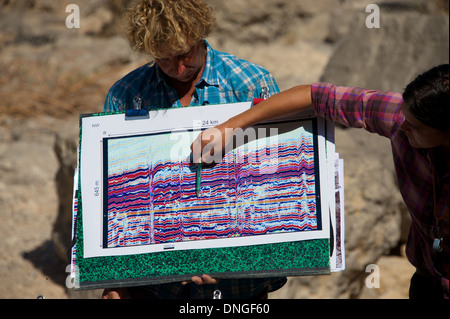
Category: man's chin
[184,78]
[418,146]
[413,143]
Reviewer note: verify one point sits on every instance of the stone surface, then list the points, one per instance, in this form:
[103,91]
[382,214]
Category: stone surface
[51,74]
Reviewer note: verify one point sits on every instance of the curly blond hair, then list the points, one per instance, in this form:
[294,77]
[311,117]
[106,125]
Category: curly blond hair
[160,27]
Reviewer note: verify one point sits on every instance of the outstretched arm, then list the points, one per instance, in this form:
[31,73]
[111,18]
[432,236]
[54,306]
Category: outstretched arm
[294,100]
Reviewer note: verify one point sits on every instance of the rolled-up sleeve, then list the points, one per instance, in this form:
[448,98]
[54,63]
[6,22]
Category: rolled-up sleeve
[376,111]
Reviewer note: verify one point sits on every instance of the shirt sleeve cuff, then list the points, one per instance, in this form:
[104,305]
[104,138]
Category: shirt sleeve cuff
[319,93]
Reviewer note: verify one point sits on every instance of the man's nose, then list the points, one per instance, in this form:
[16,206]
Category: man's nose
[181,68]
[178,66]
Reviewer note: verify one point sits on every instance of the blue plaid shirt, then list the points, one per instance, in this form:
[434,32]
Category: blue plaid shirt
[226,79]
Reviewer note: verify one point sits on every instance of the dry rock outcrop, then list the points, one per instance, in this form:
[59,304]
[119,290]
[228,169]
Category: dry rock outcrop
[50,74]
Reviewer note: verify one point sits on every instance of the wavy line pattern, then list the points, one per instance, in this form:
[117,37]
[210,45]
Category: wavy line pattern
[259,188]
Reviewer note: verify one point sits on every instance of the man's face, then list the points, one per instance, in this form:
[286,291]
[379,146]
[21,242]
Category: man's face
[421,135]
[184,67]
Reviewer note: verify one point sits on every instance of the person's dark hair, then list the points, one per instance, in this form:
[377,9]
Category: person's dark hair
[427,98]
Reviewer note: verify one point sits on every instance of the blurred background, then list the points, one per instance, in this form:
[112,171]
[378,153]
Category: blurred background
[50,74]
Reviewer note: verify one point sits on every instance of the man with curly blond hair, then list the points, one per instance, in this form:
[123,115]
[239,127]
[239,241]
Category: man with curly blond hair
[184,70]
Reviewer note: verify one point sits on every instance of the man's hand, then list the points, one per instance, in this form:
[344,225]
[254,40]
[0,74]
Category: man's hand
[203,280]
[210,145]
[116,293]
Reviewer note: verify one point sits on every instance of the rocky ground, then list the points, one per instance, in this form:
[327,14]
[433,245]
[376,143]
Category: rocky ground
[50,74]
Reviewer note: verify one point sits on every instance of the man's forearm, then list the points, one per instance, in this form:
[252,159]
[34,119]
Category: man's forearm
[294,100]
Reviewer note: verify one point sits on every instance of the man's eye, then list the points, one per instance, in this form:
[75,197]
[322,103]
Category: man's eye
[184,56]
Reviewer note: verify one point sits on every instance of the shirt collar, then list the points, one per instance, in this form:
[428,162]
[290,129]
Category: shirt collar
[210,75]
[158,76]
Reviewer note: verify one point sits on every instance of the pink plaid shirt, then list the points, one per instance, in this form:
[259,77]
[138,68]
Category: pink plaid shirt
[380,112]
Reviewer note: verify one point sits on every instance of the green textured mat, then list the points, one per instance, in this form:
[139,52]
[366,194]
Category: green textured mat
[299,258]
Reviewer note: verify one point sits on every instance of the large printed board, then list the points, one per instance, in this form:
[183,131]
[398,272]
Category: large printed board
[263,210]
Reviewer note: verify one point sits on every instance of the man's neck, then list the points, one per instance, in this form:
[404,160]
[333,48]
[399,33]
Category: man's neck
[185,90]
